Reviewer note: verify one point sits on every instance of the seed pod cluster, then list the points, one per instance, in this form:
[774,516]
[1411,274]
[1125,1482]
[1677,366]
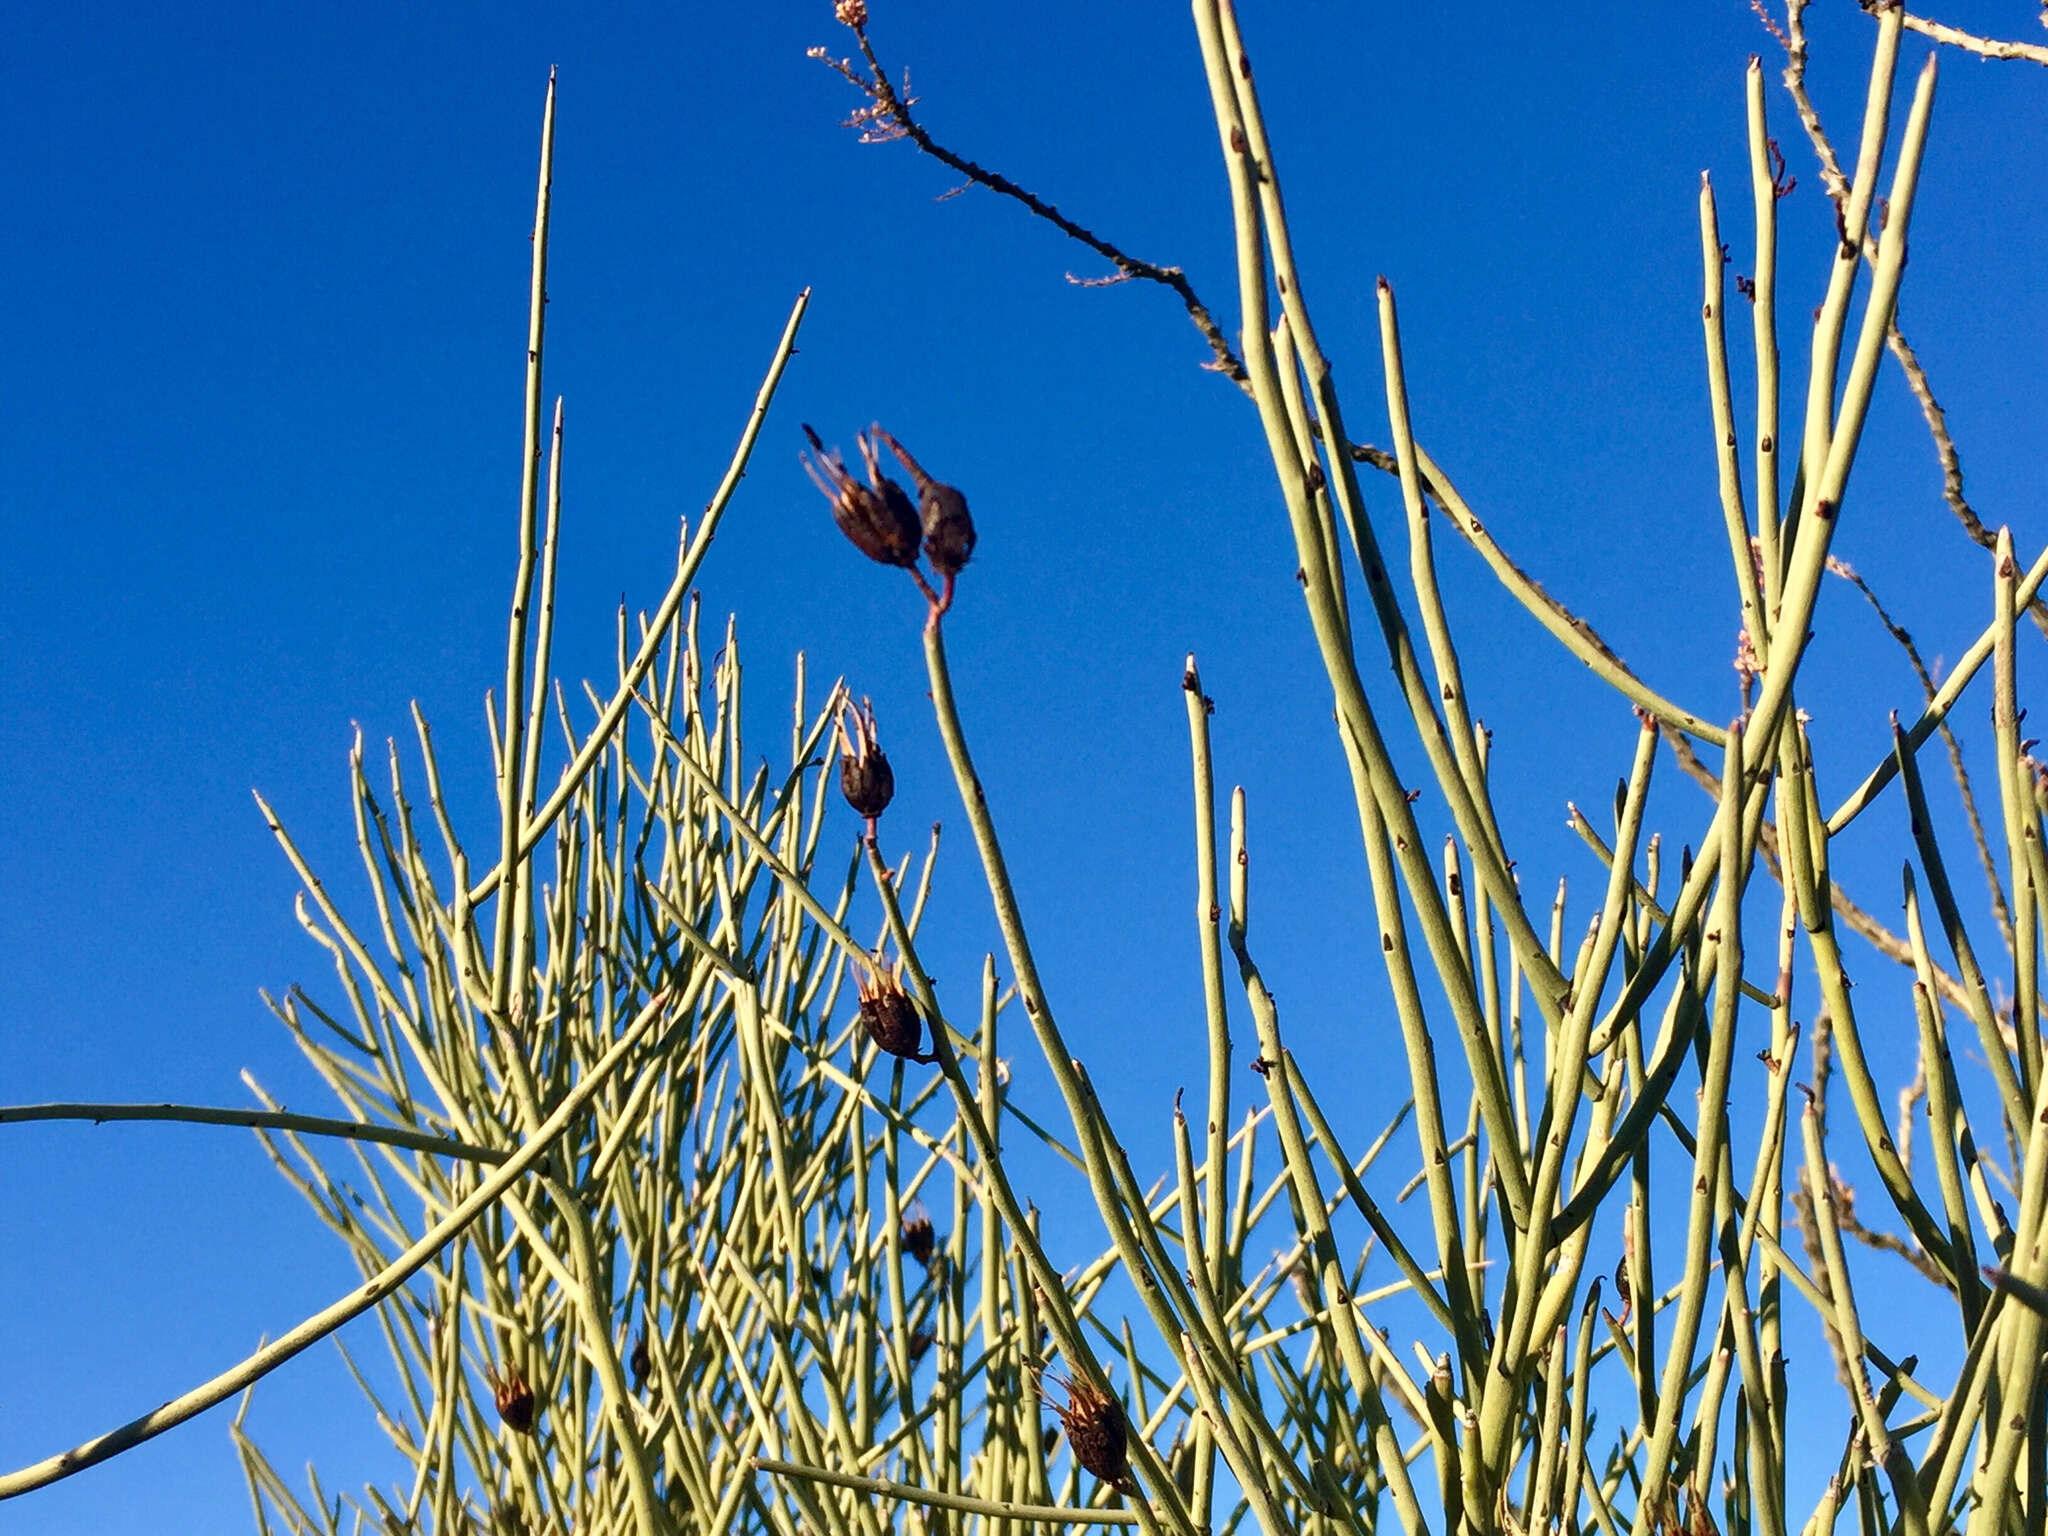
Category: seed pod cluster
[889,1016]
[882,520]
[1094,1422]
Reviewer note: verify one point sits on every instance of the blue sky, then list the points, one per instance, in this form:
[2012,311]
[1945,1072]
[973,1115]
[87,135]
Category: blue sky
[266,278]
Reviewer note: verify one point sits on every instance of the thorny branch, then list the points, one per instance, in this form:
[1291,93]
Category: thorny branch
[887,117]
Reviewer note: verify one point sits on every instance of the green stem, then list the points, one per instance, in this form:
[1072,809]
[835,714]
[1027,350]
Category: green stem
[903,1492]
[258,1119]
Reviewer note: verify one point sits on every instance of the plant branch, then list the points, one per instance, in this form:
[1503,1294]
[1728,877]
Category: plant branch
[257,1119]
[356,1301]
[1793,38]
[1970,42]
[887,116]
[1873,932]
[933,1498]
[1999,906]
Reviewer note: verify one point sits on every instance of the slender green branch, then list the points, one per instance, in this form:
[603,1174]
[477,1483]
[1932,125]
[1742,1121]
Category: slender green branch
[259,1119]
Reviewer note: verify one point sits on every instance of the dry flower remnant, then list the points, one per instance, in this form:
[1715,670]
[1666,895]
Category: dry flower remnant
[865,777]
[889,1016]
[918,1235]
[948,530]
[1094,1422]
[514,1400]
[878,517]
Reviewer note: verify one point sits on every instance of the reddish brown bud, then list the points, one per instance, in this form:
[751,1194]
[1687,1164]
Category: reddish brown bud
[889,1016]
[878,517]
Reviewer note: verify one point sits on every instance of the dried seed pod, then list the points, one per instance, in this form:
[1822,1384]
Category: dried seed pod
[890,1019]
[865,777]
[514,1399]
[1094,1422]
[918,1236]
[640,1362]
[878,517]
[948,529]
[920,1343]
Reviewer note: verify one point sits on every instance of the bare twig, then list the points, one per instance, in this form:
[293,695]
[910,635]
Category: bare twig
[1951,462]
[1589,645]
[1793,37]
[1910,1098]
[1848,573]
[1970,42]
[1860,922]
[1882,1242]
[887,116]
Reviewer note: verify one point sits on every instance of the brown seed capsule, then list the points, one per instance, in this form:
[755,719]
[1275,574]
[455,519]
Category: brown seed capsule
[918,1236]
[865,777]
[878,517]
[890,1019]
[514,1399]
[948,530]
[640,1362]
[920,1343]
[1095,1428]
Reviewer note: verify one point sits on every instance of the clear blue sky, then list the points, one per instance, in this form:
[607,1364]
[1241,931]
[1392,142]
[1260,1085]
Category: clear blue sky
[265,274]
